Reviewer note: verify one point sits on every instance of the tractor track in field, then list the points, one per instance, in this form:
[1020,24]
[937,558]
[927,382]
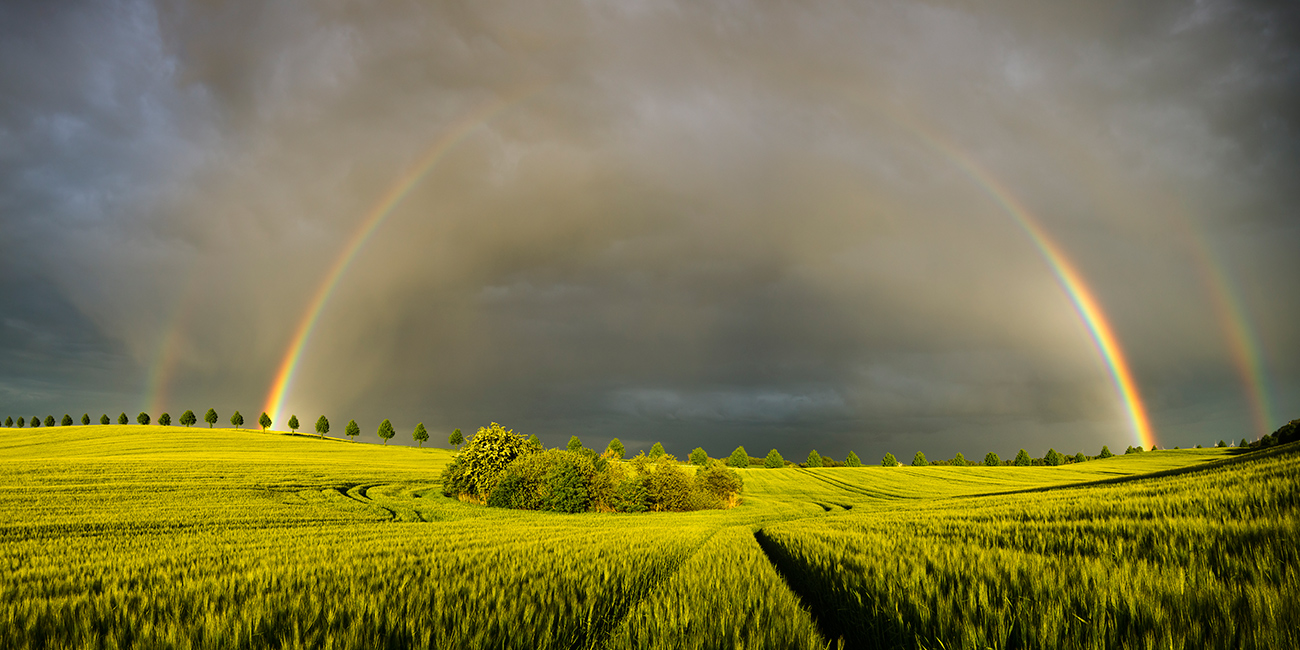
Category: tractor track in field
[359,492]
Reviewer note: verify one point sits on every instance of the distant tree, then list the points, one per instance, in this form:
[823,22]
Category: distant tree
[386,430]
[36,421]
[49,420]
[322,426]
[739,458]
[534,441]
[85,419]
[1105,452]
[1053,458]
[1080,458]
[237,420]
[210,417]
[814,459]
[9,421]
[122,419]
[1221,444]
[773,460]
[656,451]
[575,444]
[991,459]
[22,422]
[959,460]
[165,419]
[103,419]
[456,439]
[265,420]
[1197,446]
[293,423]
[143,418]
[852,460]
[919,460]
[67,420]
[187,418]
[420,435]
[352,430]
[1023,460]
[889,460]
[1243,444]
[699,457]
[615,448]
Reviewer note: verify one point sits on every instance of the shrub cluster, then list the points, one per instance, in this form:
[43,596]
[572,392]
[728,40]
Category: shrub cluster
[502,469]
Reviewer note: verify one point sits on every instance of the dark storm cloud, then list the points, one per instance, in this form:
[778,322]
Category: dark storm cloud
[702,223]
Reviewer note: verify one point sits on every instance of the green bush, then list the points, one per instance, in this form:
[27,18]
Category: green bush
[1105,452]
[631,496]
[852,460]
[484,459]
[564,489]
[991,460]
[1053,458]
[615,449]
[720,484]
[773,460]
[1080,458]
[656,451]
[959,460]
[919,460]
[739,458]
[814,459]
[699,457]
[670,488]
[574,443]
[1023,460]
[889,460]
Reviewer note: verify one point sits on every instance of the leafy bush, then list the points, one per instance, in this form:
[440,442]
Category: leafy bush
[991,460]
[919,460]
[631,496]
[574,443]
[699,457]
[656,451]
[615,449]
[773,460]
[739,458]
[481,463]
[1053,458]
[959,460]
[814,459]
[889,460]
[1105,452]
[721,485]
[1023,460]
[1080,458]
[564,489]
[670,488]
[852,460]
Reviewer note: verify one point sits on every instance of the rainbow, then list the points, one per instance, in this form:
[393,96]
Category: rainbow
[1085,304]
[369,224]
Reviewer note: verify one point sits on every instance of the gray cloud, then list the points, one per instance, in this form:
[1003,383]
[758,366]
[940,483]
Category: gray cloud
[708,224]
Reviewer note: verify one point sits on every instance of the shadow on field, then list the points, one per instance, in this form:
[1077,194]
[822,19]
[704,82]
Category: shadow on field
[832,621]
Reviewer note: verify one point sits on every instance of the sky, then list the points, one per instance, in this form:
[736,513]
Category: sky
[892,226]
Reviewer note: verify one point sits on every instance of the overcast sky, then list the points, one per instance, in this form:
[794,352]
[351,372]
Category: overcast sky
[702,223]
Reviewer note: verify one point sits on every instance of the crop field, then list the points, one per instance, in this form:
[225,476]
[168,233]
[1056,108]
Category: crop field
[172,537]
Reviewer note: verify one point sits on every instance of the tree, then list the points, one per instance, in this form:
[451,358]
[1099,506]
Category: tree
[237,420]
[656,451]
[959,460]
[322,426]
[889,460]
[991,459]
[1053,458]
[143,418]
[22,422]
[919,460]
[9,421]
[739,458]
[210,417]
[699,457]
[265,420]
[165,419]
[1080,458]
[85,419]
[67,420]
[773,460]
[456,439]
[122,419]
[1105,452]
[534,441]
[386,430]
[1221,444]
[814,459]
[187,418]
[293,423]
[1022,459]
[36,421]
[1243,444]
[575,444]
[616,449]
[420,435]
[852,460]
[103,419]
[352,430]
[49,420]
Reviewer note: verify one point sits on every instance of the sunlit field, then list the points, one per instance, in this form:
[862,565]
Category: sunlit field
[172,537]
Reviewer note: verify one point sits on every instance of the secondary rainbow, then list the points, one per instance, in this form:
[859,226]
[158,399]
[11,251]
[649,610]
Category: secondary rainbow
[369,224]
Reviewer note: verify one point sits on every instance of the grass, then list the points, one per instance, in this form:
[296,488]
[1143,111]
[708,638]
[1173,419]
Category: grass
[165,537]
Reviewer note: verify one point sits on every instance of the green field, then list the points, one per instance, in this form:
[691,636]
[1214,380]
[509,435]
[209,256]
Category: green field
[171,537]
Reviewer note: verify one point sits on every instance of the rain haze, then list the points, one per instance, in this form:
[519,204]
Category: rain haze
[931,226]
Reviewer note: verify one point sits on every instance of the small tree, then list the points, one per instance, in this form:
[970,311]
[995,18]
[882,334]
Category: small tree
[1105,452]
[616,449]
[1080,458]
[187,418]
[1243,444]
[122,419]
[456,439]
[575,444]
[143,418]
[739,457]
[49,420]
[67,420]
[322,426]
[699,457]
[237,420]
[889,460]
[293,423]
[959,460]
[991,460]
[85,419]
[22,422]
[9,421]
[103,419]
[36,421]
[420,435]
[814,459]
[534,441]
[265,420]
[656,451]
[1221,444]
[1053,458]
[773,460]
[919,460]
[210,417]
[386,430]
[1023,460]
[165,419]
[852,460]
[352,430]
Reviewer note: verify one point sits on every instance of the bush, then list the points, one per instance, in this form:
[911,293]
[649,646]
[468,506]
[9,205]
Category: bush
[656,451]
[615,449]
[814,459]
[482,462]
[1105,452]
[889,460]
[959,460]
[1053,458]
[721,485]
[852,460]
[670,488]
[631,496]
[574,443]
[991,460]
[564,489]
[1080,458]
[739,458]
[1023,460]
[919,460]
[773,460]
[699,457]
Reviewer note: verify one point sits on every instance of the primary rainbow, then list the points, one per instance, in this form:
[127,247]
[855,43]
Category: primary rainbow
[369,223]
